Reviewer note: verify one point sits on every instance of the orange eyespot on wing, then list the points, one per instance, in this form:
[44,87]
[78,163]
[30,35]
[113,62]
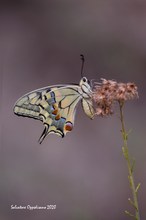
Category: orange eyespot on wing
[58,117]
[55,112]
[68,126]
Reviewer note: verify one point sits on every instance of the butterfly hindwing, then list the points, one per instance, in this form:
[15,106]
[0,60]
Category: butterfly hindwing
[54,106]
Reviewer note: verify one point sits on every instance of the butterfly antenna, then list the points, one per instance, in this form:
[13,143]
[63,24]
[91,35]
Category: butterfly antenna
[82,66]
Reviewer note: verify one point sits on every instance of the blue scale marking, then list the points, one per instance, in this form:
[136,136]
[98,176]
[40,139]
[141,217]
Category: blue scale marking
[59,124]
[51,101]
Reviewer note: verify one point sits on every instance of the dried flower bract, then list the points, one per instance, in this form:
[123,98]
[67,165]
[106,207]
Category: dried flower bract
[106,93]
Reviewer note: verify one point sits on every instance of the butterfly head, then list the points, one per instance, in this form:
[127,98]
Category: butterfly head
[85,85]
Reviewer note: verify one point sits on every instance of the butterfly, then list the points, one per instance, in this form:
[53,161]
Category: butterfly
[56,106]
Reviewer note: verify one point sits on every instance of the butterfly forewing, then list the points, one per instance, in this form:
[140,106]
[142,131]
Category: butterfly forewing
[88,107]
[56,106]
[27,106]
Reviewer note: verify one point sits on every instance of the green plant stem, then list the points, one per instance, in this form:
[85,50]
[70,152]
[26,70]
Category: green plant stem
[134,189]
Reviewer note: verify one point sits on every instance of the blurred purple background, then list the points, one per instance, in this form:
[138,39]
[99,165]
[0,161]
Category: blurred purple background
[85,173]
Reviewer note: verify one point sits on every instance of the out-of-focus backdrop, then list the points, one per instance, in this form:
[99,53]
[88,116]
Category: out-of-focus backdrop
[85,173]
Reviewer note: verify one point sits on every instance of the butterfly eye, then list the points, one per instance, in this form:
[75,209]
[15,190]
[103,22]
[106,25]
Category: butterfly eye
[84,79]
